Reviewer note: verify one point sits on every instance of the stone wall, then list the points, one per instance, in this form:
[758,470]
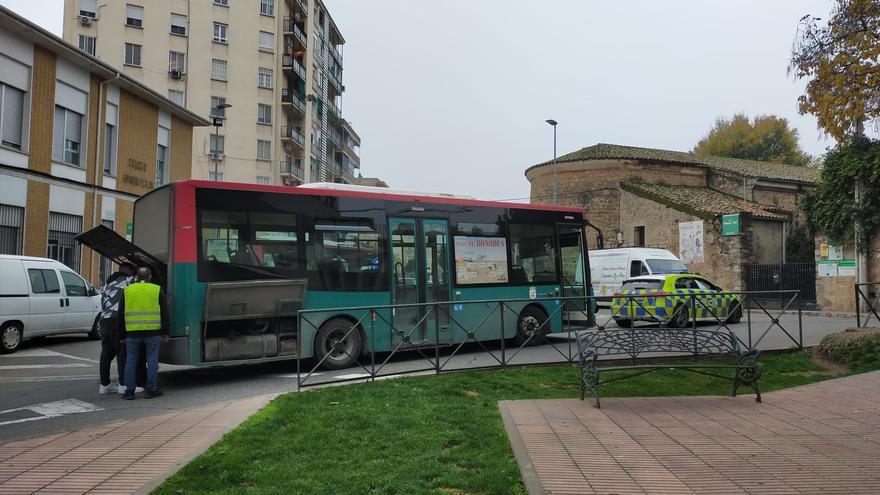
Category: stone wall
[835,293]
[724,256]
[874,258]
[595,186]
[730,183]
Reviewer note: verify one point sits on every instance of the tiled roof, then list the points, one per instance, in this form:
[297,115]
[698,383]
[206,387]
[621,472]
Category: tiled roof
[701,201]
[748,168]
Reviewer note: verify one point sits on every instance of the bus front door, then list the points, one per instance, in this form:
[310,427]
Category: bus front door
[571,253]
[420,274]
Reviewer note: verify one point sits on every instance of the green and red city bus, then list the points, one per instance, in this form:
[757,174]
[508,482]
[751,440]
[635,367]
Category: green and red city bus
[238,261]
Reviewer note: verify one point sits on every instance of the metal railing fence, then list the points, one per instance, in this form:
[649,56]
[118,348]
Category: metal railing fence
[439,335]
[867,294]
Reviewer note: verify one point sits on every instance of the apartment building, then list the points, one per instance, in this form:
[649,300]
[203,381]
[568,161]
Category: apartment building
[277,64]
[80,142]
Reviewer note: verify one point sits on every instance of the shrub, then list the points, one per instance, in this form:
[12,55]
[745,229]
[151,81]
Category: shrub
[856,347]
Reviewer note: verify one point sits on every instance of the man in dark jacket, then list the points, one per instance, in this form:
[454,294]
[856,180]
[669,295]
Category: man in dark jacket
[111,332]
[143,310]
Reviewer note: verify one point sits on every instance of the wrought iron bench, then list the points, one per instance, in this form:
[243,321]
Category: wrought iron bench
[635,342]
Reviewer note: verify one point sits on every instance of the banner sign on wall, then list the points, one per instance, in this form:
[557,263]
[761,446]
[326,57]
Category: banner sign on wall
[690,242]
[846,268]
[826,268]
[480,260]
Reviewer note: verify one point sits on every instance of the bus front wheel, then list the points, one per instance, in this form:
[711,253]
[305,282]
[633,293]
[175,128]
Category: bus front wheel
[337,344]
[531,327]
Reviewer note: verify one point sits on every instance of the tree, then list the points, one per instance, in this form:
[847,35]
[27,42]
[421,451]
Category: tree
[767,138]
[841,61]
[831,208]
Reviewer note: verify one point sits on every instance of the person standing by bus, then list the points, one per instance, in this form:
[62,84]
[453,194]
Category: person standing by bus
[111,333]
[144,313]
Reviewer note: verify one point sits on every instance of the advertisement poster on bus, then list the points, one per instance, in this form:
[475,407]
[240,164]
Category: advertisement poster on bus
[480,260]
[690,242]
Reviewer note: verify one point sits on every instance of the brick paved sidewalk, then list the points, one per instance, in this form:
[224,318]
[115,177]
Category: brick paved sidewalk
[820,438]
[123,457]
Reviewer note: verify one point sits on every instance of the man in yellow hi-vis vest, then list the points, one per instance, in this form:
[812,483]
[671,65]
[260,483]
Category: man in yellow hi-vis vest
[144,312]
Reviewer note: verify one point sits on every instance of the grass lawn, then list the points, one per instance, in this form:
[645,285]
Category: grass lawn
[433,434]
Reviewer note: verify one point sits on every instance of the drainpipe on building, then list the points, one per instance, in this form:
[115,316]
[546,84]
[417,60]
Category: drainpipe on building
[98,147]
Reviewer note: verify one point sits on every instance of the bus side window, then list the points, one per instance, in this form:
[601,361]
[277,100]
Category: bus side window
[346,254]
[533,248]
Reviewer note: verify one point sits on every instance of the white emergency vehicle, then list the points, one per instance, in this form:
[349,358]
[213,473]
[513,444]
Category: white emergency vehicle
[610,267]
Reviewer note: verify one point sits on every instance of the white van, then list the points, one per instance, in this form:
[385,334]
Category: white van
[610,267]
[40,297]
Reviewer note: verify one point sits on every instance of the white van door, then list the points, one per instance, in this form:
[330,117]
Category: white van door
[638,268]
[79,308]
[46,300]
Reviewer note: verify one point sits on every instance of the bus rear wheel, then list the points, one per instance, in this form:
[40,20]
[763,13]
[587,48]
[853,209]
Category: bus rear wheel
[531,327]
[337,345]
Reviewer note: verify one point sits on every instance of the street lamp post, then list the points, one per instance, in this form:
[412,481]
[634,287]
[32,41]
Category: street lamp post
[218,121]
[553,189]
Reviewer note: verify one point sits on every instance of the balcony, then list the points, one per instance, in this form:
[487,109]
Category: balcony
[292,168]
[336,54]
[351,154]
[291,27]
[290,133]
[293,64]
[293,100]
[335,112]
[334,139]
[346,165]
[298,4]
[336,81]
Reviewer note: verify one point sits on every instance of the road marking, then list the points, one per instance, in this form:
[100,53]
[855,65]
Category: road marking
[292,375]
[352,376]
[58,378]
[40,366]
[40,352]
[30,353]
[69,356]
[54,409]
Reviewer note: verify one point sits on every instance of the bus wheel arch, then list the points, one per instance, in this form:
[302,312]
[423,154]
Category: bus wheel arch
[337,347]
[532,318]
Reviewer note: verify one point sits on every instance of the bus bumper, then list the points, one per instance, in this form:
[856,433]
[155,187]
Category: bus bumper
[175,351]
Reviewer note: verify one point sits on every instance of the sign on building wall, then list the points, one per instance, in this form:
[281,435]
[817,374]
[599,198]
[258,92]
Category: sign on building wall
[690,242]
[846,268]
[826,268]
[835,252]
[480,260]
[730,224]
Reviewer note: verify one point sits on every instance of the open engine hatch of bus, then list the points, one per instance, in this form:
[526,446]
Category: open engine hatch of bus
[109,244]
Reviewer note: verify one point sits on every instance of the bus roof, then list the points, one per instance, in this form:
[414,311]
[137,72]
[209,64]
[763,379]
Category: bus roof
[373,193]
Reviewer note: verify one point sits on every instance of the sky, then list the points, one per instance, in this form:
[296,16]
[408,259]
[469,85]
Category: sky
[453,96]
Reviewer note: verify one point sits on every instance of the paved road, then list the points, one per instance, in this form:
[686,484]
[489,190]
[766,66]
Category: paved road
[51,385]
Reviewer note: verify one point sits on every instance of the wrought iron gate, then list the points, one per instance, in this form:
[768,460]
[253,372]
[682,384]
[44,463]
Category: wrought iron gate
[779,277]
